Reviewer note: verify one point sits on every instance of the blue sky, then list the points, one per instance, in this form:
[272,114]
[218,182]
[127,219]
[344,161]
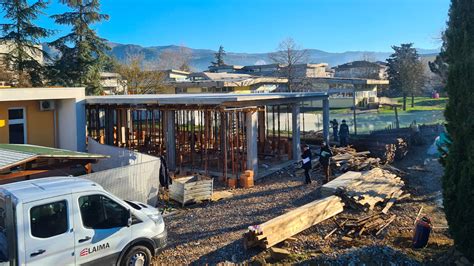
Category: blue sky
[259,25]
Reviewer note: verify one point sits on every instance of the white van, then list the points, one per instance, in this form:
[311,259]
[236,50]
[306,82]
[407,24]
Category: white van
[73,221]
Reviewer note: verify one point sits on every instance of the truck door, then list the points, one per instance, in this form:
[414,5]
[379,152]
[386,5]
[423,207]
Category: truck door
[101,228]
[48,231]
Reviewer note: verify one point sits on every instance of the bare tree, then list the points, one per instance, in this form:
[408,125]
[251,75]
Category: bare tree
[175,59]
[140,81]
[289,54]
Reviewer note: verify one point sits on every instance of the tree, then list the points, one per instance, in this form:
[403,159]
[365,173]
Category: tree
[82,52]
[137,80]
[458,179]
[22,38]
[439,65]
[289,54]
[405,72]
[175,59]
[219,57]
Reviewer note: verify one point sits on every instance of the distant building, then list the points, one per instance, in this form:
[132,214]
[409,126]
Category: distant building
[207,82]
[112,83]
[361,69]
[175,75]
[8,47]
[345,92]
[276,70]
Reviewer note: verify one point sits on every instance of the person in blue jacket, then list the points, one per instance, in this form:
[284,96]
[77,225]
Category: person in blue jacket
[344,134]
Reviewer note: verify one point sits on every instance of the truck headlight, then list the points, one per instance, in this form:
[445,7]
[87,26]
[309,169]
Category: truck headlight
[157,218]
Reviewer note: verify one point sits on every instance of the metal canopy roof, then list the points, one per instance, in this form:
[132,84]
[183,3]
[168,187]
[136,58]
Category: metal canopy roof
[226,99]
[12,155]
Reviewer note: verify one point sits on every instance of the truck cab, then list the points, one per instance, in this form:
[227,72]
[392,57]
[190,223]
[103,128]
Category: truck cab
[74,221]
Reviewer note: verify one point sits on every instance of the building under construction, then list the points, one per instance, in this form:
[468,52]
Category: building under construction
[216,134]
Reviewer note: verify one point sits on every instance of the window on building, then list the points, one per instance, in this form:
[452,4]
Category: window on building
[100,212]
[17,125]
[49,220]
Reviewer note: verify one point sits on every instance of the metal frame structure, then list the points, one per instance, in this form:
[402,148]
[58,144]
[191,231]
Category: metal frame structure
[219,134]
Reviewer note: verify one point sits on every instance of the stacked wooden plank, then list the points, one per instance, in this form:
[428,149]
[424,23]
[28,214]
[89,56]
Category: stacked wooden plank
[348,159]
[365,189]
[293,222]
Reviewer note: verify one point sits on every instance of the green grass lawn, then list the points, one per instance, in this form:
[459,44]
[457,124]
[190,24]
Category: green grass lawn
[421,104]
[425,103]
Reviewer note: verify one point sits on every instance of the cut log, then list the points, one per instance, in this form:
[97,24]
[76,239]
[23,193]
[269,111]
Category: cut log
[291,223]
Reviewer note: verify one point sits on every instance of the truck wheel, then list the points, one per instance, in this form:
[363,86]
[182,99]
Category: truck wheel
[137,256]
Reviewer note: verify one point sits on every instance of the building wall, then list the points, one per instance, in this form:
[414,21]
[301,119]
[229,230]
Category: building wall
[70,116]
[39,124]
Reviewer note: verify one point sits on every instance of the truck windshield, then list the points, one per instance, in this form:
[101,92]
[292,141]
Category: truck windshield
[3,232]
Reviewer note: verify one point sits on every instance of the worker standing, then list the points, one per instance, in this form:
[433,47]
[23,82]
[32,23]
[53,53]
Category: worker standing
[335,129]
[306,156]
[344,133]
[325,155]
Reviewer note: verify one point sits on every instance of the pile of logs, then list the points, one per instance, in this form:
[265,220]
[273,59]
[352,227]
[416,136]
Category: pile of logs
[348,159]
[291,223]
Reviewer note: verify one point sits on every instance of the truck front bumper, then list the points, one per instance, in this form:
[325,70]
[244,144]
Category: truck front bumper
[160,241]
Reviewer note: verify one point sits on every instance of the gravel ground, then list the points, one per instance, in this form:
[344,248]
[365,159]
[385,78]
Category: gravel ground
[210,233]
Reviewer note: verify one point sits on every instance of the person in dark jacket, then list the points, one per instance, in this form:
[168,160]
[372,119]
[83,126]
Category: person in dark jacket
[335,129]
[306,156]
[344,133]
[325,155]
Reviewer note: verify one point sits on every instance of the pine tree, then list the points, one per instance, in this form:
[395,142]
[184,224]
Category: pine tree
[219,57]
[82,52]
[405,72]
[22,37]
[458,180]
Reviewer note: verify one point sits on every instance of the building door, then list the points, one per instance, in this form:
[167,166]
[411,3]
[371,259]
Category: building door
[17,125]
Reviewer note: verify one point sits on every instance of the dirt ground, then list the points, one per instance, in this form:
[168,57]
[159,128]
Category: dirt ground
[211,233]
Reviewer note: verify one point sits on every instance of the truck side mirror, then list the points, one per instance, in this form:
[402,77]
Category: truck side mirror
[129,219]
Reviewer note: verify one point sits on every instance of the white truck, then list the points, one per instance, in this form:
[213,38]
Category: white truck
[74,221]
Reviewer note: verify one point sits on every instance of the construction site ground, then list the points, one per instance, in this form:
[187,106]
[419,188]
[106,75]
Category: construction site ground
[211,232]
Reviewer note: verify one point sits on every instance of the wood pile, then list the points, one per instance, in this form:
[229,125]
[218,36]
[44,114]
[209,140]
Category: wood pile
[365,190]
[348,159]
[387,147]
[352,228]
[291,223]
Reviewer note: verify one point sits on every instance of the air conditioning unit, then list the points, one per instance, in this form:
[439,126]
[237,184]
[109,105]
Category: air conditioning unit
[47,105]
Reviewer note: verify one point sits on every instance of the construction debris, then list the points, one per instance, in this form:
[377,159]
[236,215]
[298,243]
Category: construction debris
[291,223]
[374,224]
[218,195]
[279,253]
[365,189]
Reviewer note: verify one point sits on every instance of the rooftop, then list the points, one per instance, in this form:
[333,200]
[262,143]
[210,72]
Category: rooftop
[47,93]
[225,99]
[32,190]
[12,155]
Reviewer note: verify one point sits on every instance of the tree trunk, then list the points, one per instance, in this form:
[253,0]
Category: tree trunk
[412,100]
[404,102]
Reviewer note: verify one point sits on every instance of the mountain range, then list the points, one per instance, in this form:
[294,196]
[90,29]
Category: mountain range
[200,59]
